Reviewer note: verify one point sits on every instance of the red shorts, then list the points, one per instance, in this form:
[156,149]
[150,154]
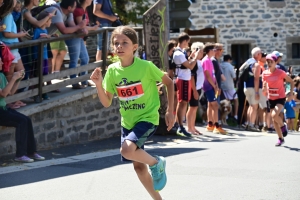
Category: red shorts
[183,90]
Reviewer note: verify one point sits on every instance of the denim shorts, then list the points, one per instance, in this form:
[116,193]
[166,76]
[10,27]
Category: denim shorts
[100,38]
[138,134]
[210,95]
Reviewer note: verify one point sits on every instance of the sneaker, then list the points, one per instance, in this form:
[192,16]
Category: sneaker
[252,128]
[265,129]
[260,127]
[219,130]
[210,128]
[270,130]
[45,96]
[23,159]
[279,142]
[36,156]
[284,130]
[158,172]
[182,132]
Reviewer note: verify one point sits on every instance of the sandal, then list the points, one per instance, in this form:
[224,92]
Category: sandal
[20,103]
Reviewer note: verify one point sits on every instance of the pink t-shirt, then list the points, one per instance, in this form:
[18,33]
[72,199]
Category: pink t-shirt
[208,66]
[275,82]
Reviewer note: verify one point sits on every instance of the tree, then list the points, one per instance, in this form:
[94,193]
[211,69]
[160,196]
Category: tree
[131,11]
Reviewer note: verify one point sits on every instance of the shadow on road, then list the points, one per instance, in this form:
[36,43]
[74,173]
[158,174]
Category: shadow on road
[292,148]
[63,170]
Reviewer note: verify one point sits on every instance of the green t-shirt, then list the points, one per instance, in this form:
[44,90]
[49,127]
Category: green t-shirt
[136,88]
[3,83]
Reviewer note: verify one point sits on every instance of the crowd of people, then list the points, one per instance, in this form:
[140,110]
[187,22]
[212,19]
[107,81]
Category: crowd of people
[31,20]
[259,95]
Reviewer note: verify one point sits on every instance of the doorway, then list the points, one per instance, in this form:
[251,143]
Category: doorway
[240,53]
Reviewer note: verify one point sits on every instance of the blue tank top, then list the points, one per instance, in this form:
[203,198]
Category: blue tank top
[250,81]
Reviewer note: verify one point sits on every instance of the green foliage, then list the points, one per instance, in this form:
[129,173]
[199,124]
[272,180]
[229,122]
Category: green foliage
[134,14]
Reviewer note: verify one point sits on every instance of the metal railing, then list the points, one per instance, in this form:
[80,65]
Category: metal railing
[38,82]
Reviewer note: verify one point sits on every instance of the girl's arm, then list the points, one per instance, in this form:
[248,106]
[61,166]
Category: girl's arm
[10,85]
[14,35]
[34,21]
[89,28]
[170,92]
[290,80]
[104,96]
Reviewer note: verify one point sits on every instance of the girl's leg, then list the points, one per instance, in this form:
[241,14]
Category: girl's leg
[215,111]
[146,179]
[54,53]
[130,151]
[191,118]
[292,124]
[210,112]
[277,120]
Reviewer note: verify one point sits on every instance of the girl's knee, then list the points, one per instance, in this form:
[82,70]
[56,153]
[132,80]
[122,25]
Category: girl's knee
[140,168]
[126,150]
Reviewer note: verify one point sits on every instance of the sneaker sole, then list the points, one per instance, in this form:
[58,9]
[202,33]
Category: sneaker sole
[22,161]
[181,134]
[164,174]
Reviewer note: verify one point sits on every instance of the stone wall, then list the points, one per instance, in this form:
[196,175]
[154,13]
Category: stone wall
[245,21]
[80,120]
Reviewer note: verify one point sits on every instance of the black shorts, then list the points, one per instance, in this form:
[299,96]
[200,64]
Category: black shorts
[194,102]
[273,103]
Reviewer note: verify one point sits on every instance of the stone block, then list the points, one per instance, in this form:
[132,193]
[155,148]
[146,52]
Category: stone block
[4,137]
[69,130]
[249,11]
[91,117]
[211,7]
[98,106]
[36,129]
[77,128]
[60,133]
[62,123]
[67,140]
[234,11]
[288,15]
[113,119]
[266,16]
[74,138]
[76,120]
[88,108]
[105,113]
[220,12]
[64,112]
[243,6]
[110,127]
[83,136]
[51,137]
[42,138]
[49,125]
[100,132]
[100,123]
[93,134]
[89,126]
[38,117]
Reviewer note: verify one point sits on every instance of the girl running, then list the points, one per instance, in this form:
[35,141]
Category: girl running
[273,84]
[134,82]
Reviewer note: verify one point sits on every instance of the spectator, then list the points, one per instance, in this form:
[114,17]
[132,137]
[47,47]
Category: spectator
[211,89]
[80,14]
[183,81]
[59,51]
[290,107]
[38,34]
[25,142]
[279,58]
[64,22]
[10,36]
[197,80]
[228,85]
[103,10]
[16,13]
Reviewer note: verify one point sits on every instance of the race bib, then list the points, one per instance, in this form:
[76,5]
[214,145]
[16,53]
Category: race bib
[130,92]
[273,92]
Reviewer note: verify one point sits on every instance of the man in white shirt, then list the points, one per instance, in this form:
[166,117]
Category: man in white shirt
[183,73]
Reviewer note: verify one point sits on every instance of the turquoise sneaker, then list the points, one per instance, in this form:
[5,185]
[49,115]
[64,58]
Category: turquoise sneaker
[158,172]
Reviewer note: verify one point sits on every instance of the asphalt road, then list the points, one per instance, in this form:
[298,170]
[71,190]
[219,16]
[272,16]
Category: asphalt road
[241,165]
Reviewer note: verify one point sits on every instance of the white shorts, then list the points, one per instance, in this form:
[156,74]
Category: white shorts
[250,96]
[230,94]
[17,56]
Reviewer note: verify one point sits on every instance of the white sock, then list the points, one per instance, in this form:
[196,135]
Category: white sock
[235,116]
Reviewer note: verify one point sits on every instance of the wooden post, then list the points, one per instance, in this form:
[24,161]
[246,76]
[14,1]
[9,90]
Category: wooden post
[156,34]
[104,49]
[40,69]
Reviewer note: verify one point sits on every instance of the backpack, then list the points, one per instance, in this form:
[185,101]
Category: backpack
[37,10]
[244,74]
[175,66]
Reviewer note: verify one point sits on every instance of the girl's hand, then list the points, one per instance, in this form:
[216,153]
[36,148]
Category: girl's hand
[18,75]
[170,120]
[96,76]
[23,34]
[96,27]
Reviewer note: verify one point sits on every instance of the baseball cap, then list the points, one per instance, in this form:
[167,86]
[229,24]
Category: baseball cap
[277,54]
[271,57]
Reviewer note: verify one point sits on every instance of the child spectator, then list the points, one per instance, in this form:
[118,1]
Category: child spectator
[10,36]
[290,107]
[16,13]
[38,34]
[25,142]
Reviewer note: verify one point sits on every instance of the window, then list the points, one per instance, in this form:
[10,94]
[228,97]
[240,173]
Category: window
[296,50]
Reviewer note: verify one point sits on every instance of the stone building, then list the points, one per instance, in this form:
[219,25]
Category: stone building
[244,24]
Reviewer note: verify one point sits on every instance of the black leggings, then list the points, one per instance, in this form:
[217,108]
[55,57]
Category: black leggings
[24,136]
